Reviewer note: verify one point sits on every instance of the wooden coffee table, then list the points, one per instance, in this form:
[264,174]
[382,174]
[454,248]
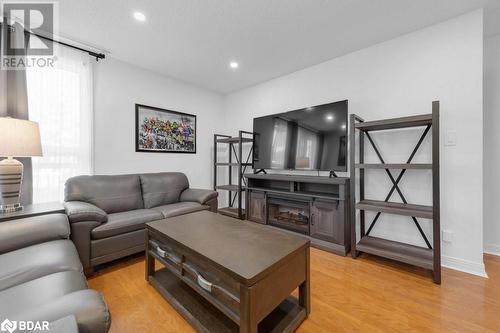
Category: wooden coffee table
[228,275]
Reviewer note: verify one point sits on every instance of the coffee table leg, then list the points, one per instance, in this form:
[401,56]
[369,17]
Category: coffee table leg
[150,261]
[305,288]
[248,316]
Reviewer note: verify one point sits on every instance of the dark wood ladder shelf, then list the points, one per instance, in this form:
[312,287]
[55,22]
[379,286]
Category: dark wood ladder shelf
[396,208]
[360,131]
[410,254]
[427,166]
[236,165]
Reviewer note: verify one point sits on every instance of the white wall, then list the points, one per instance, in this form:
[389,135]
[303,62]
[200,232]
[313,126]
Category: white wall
[117,88]
[491,144]
[402,77]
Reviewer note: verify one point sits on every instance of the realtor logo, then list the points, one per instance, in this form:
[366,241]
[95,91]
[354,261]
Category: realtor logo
[24,26]
[34,17]
[8,326]
[23,325]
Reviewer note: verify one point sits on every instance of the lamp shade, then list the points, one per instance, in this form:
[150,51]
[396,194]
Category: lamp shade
[19,138]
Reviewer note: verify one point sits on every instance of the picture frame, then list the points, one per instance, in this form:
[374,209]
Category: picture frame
[164,131]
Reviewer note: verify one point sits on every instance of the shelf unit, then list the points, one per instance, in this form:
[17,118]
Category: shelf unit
[427,257]
[236,191]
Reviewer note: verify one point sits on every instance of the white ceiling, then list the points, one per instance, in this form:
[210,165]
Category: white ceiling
[194,40]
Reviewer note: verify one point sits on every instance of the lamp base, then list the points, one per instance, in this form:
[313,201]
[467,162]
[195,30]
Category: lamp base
[11,208]
[11,177]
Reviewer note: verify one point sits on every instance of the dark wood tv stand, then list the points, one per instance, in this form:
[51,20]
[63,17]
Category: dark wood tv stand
[316,207]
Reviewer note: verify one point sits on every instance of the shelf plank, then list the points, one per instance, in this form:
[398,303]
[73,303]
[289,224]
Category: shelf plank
[424,166]
[232,164]
[299,178]
[231,212]
[396,208]
[326,196]
[410,254]
[233,188]
[234,140]
[205,317]
[403,122]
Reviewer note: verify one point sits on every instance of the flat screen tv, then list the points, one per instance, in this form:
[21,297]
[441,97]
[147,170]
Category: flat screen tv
[314,138]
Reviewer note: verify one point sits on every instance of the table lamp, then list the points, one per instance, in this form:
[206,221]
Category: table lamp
[18,138]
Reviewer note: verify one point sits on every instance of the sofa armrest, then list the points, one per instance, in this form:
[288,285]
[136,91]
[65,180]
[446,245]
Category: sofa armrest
[16,234]
[79,211]
[198,195]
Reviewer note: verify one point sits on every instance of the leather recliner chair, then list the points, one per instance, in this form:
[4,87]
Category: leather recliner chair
[41,277]
[108,213]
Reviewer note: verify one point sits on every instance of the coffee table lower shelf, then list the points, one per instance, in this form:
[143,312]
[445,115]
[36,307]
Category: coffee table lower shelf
[204,317]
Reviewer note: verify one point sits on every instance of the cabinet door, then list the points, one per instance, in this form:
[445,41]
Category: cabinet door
[257,207]
[326,223]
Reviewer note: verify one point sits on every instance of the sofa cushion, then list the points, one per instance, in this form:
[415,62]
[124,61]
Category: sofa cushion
[39,292]
[180,208]
[162,188]
[36,261]
[112,194]
[120,223]
[16,234]
[87,306]
[114,247]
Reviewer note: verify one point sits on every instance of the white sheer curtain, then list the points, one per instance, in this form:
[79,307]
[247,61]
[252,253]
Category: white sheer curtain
[278,152]
[60,100]
[307,149]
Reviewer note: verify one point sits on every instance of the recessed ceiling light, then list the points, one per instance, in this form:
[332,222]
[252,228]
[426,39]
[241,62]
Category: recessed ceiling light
[234,65]
[343,126]
[139,16]
[329,117]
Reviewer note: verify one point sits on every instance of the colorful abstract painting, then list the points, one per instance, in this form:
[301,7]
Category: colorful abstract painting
[164,131]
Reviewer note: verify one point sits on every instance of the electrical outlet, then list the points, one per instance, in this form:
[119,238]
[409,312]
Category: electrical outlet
[447,236]
[450,138]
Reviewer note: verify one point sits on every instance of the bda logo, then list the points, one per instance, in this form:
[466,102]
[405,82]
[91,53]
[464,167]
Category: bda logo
[8,325]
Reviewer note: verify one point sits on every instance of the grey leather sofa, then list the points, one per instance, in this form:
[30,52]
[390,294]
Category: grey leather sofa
[41,277]
[108,213]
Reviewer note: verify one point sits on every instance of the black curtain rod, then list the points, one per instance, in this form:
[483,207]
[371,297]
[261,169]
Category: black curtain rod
[91,53]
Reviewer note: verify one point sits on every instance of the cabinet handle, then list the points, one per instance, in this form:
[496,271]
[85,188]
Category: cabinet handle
[200,280]
[204,283]
[165,255]
[312,219]
[207,285]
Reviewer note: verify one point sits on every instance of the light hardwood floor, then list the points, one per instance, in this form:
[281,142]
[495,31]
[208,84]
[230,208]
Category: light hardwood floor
[364,295]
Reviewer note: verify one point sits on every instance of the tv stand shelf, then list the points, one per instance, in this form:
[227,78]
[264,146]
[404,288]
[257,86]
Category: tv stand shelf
[322,202]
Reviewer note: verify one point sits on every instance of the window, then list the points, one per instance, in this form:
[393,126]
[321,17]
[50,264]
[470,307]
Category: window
[60,100]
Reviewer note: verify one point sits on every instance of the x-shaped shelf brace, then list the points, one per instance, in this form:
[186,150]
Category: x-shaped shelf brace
[246,162]
[396,181]
[233,198]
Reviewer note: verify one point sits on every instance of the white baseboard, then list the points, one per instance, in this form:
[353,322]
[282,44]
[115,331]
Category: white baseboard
[462,265]
[492,249]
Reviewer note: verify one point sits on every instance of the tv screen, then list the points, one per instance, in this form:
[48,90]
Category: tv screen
[314,138]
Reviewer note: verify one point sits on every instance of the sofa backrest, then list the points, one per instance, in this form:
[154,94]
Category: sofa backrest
[113,194]
[162,188]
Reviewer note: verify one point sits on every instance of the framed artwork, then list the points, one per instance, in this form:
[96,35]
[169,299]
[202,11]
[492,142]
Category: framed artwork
[164,131]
